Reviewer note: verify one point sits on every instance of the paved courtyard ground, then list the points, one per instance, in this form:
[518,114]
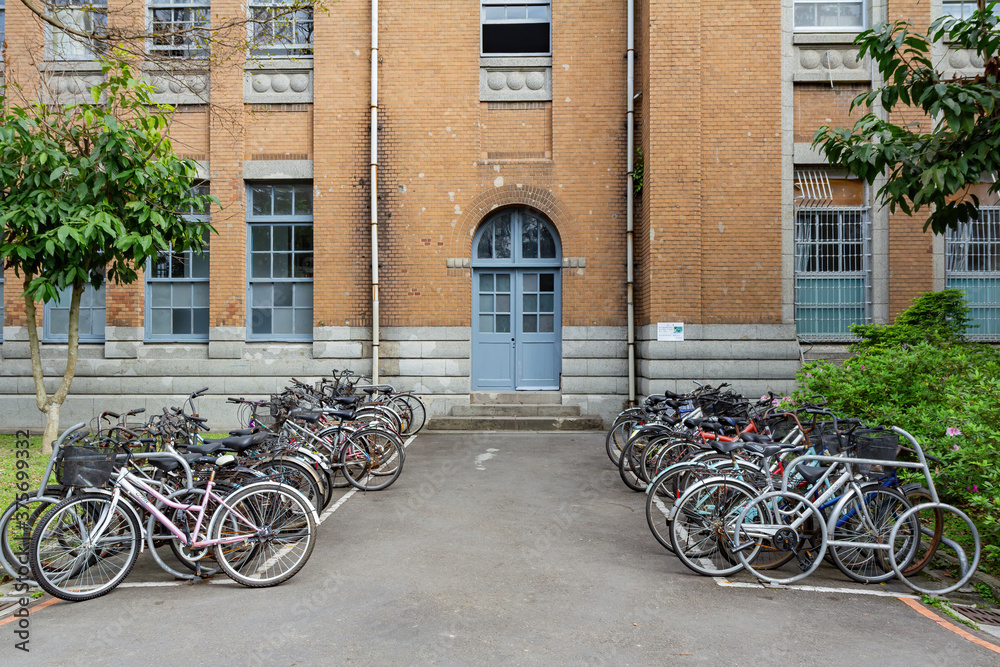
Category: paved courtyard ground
[491,549]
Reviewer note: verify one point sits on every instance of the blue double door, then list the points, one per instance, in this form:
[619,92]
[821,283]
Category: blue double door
[516,329]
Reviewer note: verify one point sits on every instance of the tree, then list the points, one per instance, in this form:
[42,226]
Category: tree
[89,193]
[932,169]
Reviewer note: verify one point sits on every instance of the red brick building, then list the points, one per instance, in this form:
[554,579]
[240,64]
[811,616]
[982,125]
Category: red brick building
[502,202]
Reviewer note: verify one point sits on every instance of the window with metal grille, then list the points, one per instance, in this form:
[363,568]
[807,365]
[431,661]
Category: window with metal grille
[516,28]
[56,326]
[832,272]
[280,28]
[280,286]
[179,28]
[90,16]
[830,16]
[972,264]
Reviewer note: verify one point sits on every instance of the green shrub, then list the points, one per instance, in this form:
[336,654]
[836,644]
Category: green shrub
[920,375]
[939,318]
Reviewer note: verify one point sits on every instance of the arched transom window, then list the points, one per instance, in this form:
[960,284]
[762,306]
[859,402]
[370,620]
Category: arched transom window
[516,236]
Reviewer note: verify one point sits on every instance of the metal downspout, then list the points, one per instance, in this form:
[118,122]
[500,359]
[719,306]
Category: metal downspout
[629,189]
[374,194]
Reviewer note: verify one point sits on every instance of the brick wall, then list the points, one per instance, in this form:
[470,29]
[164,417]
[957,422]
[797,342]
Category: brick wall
[819,104]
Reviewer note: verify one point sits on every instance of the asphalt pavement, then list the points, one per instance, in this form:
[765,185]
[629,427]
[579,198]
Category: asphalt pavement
[492,548]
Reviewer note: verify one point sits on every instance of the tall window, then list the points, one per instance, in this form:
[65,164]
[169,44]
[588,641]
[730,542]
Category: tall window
[177,289]
[516,28]
[3,30]
[960,9]
[830,15]
[56,327]
[90,16]
[280,28]
[179,28]
[832,272]
[281,261]
[972,264]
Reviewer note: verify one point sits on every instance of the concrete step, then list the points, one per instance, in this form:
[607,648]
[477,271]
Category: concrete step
[835,354]
[516,397]
[517,410]
[515,424]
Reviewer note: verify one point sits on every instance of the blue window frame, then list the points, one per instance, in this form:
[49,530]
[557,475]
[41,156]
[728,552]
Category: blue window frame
[280,261]
[177,290]
[92,311]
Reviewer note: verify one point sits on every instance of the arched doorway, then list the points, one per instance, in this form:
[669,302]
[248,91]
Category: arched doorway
[516,303]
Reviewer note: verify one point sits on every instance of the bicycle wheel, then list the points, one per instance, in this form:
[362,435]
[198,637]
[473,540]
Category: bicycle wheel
[931,520]
[865,522]
[702,527]
[629,462]
[417,413]
[85,546]
[372,459]
[16,526]
[297,475]
[269,531]
[780,526]
[661,496]
[619,434]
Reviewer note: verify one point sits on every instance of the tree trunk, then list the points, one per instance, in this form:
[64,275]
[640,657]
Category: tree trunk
[51,405]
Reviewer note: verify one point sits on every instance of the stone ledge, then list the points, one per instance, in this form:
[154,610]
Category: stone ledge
[272,170]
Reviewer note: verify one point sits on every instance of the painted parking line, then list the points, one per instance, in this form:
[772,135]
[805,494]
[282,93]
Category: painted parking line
[814,589]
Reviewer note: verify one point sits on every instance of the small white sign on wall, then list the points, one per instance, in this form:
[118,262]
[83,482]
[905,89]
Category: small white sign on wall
[669,331]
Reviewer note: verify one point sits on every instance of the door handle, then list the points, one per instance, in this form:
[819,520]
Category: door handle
[512,340]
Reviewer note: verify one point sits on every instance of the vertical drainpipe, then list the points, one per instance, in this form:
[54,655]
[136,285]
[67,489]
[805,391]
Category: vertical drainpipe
[374,190]
[629,189]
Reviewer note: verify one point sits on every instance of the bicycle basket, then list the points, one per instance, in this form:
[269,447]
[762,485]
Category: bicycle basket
[875,443]
[265,414]
[85,466]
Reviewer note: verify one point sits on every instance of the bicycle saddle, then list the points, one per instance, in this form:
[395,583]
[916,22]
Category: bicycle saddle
[811,473]
[726,447]
[345,400]
[167,465]
[236,444]
[345,415]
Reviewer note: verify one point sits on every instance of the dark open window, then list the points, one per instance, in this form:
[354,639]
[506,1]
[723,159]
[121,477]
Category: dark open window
[518,29]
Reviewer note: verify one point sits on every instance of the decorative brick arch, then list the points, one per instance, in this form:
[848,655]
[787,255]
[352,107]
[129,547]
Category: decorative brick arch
[505,196]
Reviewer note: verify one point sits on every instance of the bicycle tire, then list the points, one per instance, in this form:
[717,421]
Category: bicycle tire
[418,412]
[619,433]
[918,495]
[626,471]
[850,522]
[65,529]
[372,459]
[15,544]
[661,496]
[297,474]
[702,521]
[279,543]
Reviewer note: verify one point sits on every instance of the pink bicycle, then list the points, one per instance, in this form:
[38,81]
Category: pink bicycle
[260,535]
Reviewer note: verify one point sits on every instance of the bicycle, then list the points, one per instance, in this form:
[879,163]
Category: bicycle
[85,545]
